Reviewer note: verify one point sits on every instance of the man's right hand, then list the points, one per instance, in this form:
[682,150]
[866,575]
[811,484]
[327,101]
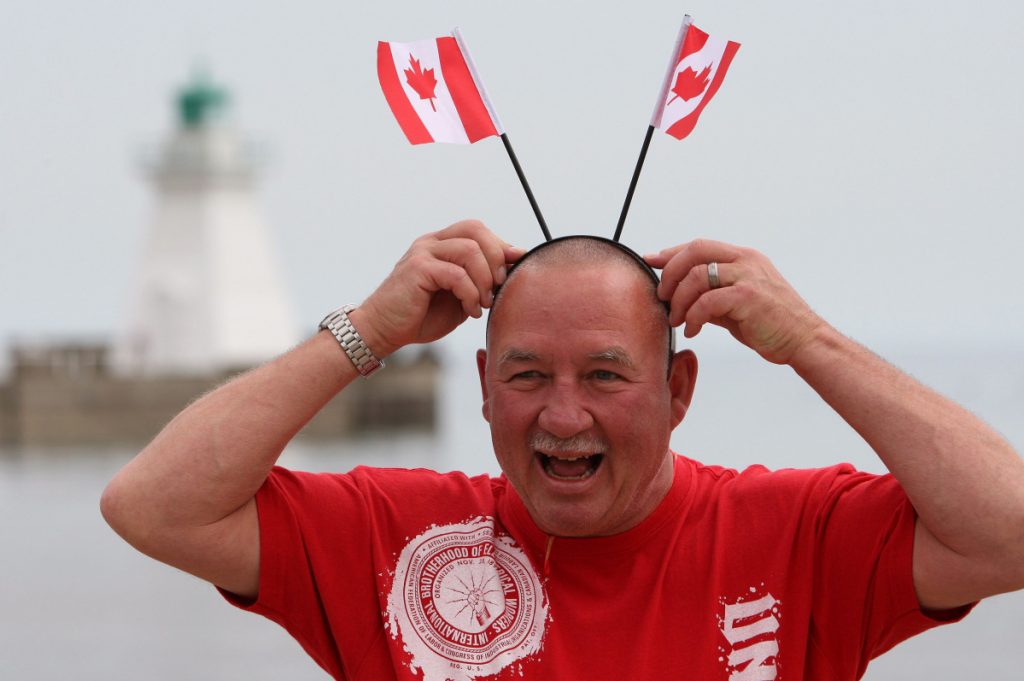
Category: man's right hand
[444,278]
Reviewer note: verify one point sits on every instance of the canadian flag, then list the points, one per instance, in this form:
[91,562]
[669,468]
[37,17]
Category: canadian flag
[695,73]
[434,92]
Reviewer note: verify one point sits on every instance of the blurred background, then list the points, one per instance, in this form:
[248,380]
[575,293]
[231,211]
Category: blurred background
[871,150]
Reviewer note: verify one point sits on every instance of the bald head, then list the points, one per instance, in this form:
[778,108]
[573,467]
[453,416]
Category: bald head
[578,253]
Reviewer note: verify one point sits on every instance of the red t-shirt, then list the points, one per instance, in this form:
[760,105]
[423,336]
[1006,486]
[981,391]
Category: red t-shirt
[412,574]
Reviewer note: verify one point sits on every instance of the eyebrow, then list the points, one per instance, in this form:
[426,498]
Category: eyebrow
[615,355]
[517,355]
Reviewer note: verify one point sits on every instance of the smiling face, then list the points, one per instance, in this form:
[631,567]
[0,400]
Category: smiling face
[575,391]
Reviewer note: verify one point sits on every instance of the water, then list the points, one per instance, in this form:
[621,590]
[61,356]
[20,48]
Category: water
[76,602]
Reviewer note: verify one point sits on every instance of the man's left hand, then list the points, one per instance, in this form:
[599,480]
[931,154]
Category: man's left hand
[752,300]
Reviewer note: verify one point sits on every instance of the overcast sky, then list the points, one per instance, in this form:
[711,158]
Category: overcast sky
[872,149]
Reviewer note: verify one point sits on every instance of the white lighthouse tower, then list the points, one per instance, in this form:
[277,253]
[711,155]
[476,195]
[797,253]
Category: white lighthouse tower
[209,294]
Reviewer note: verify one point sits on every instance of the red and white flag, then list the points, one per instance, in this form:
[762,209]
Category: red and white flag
[434,91]
[695,72]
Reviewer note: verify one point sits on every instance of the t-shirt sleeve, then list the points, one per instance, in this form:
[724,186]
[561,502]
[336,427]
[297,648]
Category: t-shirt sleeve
[864,596]
[314,537]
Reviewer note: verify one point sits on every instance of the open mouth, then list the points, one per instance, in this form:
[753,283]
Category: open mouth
[570,468]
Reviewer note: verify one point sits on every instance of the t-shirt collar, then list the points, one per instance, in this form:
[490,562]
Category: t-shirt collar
[513,514]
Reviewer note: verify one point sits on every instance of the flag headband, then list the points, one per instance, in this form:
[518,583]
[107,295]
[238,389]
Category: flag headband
[436,94]
[636,257]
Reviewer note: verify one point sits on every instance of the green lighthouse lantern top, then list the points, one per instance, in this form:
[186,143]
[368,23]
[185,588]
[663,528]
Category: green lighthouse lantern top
[200,102]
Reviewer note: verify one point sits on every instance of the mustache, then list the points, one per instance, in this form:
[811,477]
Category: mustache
[582,443]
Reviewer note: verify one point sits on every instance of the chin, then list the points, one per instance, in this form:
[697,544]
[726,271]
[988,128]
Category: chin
[567,523]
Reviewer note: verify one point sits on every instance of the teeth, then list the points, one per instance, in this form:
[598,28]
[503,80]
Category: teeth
[548,459]
[586,474]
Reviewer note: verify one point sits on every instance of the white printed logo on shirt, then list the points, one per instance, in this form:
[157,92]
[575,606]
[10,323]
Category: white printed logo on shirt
[750,626]
[466,603]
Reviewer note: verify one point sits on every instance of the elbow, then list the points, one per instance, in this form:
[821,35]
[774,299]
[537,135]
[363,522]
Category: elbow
[138,512]
[113,507]
[123,508]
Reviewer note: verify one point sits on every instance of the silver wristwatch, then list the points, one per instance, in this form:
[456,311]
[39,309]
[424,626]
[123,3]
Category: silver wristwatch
[338,323]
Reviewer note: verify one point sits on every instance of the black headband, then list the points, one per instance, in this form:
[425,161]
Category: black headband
[620,246]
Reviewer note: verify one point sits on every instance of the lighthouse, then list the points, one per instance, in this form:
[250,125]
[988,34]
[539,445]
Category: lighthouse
[208,295]
[207,301]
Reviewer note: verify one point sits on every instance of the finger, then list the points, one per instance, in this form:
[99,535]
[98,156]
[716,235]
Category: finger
[686,293]
[512,256]
[696,283]
[701,251]
[490,245]
[466,253]
[685,258]
[659,259]
[713,305]
[447,276]
[462,228]
[513,253]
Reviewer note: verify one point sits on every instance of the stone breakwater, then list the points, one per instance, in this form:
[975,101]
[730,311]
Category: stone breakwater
[60,395]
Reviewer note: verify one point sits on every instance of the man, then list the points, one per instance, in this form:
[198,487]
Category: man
[599,554]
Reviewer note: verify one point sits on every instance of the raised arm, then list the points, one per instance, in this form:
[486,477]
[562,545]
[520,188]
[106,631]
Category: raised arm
[965,481]
[188,498]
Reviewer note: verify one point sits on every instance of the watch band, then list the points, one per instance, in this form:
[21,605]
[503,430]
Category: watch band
[338,323]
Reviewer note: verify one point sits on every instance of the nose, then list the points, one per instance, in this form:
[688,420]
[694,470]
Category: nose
[564,413]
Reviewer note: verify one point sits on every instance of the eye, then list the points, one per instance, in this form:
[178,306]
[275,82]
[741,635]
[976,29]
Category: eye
[605,375]
[526,375]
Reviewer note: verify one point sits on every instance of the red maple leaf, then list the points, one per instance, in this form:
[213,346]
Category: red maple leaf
[422,81]
[690,84]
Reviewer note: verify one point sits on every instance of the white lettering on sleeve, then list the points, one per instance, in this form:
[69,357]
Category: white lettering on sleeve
[750,627]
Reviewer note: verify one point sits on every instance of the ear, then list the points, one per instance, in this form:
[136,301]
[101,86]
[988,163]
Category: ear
[682,378]
[481,367]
